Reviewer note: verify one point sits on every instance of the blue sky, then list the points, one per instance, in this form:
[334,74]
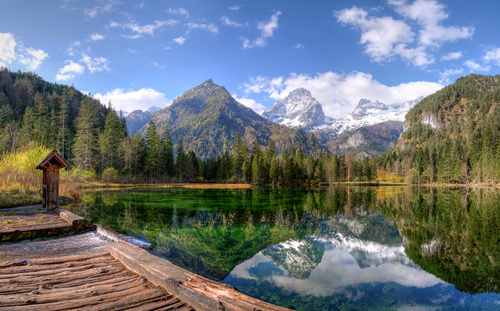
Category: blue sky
[139,54]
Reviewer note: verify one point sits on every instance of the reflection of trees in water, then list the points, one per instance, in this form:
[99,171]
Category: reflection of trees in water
[218,229]
[453,234]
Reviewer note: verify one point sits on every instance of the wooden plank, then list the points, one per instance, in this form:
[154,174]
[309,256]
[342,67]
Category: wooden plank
[61,278]
[129,301]
[125,276]
[152,293]
[45,295]
[96,267]
[4,272]
[150,304]
[87,302]
[63,259]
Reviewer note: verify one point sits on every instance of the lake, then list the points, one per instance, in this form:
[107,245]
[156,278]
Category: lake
[341,248]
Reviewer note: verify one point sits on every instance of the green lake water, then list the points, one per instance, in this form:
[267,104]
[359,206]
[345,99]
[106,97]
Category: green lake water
[323,249]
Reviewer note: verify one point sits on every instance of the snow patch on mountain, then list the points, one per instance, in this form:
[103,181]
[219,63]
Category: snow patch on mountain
[298,109]
[369,113]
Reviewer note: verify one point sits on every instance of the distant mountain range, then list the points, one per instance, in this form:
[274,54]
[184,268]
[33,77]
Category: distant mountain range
[369,130]
[138,118]
[207,117]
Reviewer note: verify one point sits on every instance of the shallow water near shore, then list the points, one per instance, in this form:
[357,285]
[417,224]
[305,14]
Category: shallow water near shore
[326,248]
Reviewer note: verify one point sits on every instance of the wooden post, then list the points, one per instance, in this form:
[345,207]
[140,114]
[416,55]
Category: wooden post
[50,189]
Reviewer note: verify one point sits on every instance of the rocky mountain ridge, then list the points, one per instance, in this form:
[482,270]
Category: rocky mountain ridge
[298,110]
[207,118]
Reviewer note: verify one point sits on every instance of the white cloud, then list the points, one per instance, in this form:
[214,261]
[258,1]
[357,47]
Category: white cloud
[134,100]
[180,40]
[340,93]
[207,27]
[178,11]
[69,71]
[226,21]
[7,49]
[299,45]
[158,65]
[96,37]
[250,103]
[93,12]
[141,30]
[493,56]
[32,58]
[475,67]
[73,47]
[95,64]
[267,29]
[452,56]
[12,51]
[140,5]
[444,77]
[429,14]
[235,7]
[386,37]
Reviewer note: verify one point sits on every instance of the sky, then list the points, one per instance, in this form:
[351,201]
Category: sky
[139,54]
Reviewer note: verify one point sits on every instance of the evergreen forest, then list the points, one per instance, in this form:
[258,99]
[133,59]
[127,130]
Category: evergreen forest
[461,145]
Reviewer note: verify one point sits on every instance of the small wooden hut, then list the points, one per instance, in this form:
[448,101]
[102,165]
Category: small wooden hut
[50,166]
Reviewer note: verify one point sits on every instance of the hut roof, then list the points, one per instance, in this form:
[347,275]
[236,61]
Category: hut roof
[53,158]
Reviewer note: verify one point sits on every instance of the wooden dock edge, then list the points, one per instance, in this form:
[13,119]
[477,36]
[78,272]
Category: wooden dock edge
[201,293]
[71,218]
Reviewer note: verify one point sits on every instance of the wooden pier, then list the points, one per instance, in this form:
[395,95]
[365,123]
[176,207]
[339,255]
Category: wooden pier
[94,281]
[99,274]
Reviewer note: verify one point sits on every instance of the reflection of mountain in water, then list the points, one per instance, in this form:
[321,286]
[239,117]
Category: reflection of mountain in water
[368,253]
[359,237]
[298,258]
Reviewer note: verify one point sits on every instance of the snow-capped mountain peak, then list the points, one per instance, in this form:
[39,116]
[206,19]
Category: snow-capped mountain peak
[367,108]
[369,113]
[298,109]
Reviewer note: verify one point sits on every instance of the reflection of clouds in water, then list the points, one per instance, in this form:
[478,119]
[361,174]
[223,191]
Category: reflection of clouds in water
[339,269]
[441,299]
[242,270]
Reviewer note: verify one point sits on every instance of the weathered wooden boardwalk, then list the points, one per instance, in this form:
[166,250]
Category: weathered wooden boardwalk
[93,281]
[39,275]
[32,222]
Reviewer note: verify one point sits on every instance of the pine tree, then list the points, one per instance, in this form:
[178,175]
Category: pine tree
[181,162]
[168,156]
[240,155]
[85,149]
[111,140]
[153,152]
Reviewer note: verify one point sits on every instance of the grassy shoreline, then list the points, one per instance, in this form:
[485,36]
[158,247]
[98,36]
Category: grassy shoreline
[71,192]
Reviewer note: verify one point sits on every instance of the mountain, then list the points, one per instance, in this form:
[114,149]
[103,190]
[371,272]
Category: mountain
[452,135]
[298,110]
[207,118]
[372,140]
[369,130]
[153,109]
[137,119]
[369,113]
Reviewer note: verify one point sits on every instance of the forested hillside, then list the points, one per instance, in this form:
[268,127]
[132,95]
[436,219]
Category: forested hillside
[35,115]
[57,116]
[451,136]
[207,118]
[371,141]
